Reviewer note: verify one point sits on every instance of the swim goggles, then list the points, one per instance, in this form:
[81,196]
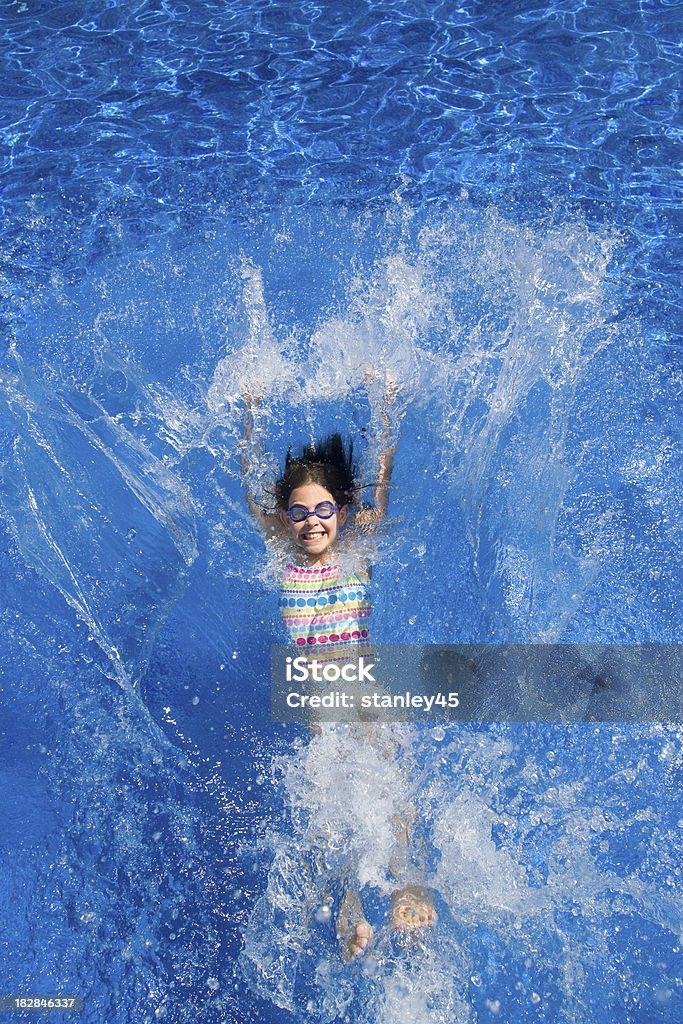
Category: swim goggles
[299,513]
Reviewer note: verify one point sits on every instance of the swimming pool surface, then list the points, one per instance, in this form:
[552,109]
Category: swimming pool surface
[483,200]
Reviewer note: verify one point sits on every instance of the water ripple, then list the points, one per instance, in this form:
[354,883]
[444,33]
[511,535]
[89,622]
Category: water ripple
[339,100]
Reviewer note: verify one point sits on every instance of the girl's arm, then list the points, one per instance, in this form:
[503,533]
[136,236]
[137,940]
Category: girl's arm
[269,523]
[388,450]
[367,518]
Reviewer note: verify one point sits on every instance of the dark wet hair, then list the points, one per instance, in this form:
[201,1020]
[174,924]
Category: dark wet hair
[328,463]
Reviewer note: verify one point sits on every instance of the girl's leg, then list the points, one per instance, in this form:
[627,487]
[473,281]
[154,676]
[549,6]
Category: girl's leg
[412,905]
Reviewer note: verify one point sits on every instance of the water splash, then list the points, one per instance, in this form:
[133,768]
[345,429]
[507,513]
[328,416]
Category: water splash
[93,509]
[499,334]
[537,896]
[489,328]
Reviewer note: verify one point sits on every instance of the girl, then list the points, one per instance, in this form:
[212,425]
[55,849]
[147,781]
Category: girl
[325,603]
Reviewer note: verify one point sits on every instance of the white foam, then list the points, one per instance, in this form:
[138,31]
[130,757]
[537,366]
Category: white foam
[347,791]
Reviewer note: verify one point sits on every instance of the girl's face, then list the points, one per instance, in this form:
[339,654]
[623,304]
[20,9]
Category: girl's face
[315,537]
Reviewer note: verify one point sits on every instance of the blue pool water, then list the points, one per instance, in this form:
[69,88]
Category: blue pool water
[483,200]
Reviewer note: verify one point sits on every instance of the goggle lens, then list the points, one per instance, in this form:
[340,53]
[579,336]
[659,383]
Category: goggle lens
[323,510]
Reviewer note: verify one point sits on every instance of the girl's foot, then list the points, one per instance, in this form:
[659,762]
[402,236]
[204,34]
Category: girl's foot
[412,909]
[353,931]
[357,941]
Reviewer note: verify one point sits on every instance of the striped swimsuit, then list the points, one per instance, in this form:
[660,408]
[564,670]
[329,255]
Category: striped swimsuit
[324,610]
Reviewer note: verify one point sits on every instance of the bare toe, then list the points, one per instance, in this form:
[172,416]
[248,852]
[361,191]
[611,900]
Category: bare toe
[413,909]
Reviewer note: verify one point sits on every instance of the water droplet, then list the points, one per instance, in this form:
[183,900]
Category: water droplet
[117,383]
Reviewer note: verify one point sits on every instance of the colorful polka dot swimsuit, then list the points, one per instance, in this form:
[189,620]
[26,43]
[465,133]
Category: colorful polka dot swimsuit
[323,610]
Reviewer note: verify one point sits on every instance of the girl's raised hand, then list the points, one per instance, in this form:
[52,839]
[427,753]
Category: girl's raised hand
[250,399]
[392,386]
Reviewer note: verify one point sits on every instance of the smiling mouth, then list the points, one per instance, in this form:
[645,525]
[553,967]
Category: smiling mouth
[312,536]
